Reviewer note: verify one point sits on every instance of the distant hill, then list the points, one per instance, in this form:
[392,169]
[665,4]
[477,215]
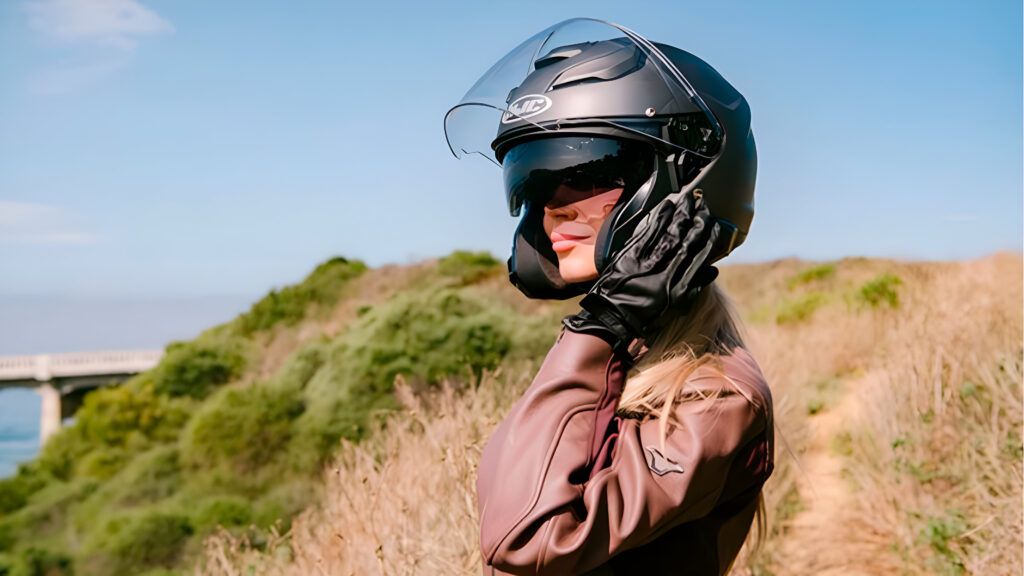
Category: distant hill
[336,425]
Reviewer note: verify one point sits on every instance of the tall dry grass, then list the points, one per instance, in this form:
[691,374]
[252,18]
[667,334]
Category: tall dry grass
[402,503]
[918,407]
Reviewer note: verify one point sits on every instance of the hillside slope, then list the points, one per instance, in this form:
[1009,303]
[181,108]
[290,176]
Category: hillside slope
[897,390]
[335,427]
[233,428]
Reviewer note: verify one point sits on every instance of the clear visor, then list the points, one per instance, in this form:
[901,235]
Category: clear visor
[472,125]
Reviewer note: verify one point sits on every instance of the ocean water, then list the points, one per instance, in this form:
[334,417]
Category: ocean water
[19,428]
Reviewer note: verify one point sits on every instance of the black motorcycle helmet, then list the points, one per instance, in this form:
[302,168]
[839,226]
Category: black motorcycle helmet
[592,102]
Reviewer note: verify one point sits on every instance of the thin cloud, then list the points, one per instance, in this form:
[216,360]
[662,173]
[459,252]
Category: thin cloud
[116,23]
[101,36]
[27,223]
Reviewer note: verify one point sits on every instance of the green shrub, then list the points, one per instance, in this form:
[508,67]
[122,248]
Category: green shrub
[302,365]
[47,512]
[133,542]
[425,337]
[813,274]
[881,290]
[148,478]
[131,417]
[469,267]
[283,501]
[221,510]
[941,534]
[15,491]
[7,536]
[287,306]
[37,561]
[195,368]
[242,429]
[799,308]
[102,462]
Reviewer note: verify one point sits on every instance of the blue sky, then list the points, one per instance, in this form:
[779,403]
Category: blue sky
[184,148]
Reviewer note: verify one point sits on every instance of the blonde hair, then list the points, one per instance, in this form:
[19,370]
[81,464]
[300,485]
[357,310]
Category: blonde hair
[659,380]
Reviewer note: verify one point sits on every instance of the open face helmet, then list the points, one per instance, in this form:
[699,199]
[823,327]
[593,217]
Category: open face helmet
[592,105]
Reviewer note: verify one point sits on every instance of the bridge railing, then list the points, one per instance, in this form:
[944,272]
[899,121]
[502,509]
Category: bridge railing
[46,367]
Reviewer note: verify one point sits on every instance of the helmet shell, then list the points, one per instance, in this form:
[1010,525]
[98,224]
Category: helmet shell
[612,88]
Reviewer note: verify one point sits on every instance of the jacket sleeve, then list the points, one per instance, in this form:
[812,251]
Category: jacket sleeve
[544,507]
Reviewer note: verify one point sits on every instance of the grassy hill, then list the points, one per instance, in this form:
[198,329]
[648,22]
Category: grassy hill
[335,427]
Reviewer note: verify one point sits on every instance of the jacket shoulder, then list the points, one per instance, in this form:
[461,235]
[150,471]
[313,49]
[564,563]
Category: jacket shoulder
[744,376]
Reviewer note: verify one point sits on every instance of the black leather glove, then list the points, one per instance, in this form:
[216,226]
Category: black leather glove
[660,269]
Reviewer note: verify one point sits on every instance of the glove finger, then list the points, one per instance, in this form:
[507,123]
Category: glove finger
[699,243]
[634,258]
[666,246]
[683,226]
[654,234]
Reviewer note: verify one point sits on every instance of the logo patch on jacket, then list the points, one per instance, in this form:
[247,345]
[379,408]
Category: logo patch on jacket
[659,463]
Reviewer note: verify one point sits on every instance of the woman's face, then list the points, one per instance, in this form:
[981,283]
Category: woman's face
[572,219]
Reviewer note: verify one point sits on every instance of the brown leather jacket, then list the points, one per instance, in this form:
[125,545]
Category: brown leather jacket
[565,486]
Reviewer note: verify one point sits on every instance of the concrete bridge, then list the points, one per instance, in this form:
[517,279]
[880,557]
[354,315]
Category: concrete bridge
[63,380]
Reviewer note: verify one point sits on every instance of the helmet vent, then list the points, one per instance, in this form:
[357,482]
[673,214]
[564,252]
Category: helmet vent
[601,67]
[559,54]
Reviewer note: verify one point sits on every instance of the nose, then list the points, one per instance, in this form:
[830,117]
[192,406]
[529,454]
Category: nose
[563,212]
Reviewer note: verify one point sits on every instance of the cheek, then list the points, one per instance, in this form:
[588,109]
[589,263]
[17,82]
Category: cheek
[548,224]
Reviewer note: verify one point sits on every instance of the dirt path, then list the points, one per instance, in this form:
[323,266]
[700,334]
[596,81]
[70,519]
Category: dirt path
[810,546]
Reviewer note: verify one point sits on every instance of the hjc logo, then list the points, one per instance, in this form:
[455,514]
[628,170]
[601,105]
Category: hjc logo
[525,106]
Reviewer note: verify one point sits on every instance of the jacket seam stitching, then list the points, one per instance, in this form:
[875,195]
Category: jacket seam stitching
[535,497]
[544,544]
[605,393]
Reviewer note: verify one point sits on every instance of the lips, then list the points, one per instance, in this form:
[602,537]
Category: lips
[564,240]
[559,236]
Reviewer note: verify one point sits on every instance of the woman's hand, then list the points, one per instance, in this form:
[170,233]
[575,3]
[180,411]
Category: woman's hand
[662,267]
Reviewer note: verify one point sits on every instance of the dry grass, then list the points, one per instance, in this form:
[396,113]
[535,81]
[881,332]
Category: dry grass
[898,452]
[403,503]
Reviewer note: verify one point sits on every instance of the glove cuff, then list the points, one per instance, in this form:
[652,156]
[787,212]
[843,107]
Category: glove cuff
[584,322]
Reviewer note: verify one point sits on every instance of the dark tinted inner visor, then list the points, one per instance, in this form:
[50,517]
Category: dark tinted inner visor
[588,165]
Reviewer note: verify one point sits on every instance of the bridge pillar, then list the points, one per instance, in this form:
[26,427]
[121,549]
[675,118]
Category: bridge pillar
[49,420]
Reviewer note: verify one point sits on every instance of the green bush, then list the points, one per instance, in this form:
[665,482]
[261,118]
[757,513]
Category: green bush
[815,273]
[302,365]
[133,542]
[47,513]
[283,501]
[287,306]
[37,561]
[425,337]
[7,536]
[799,308]
[881,290]
[195,368]
[148,478]
[224,510]
[242,429]
[102,462]
[15,491]
[469,267]
[941,534]
[131,417]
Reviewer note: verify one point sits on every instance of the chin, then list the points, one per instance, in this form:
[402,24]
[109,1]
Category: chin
[577,267]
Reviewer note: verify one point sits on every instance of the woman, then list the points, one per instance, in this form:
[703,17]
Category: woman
[644,441]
